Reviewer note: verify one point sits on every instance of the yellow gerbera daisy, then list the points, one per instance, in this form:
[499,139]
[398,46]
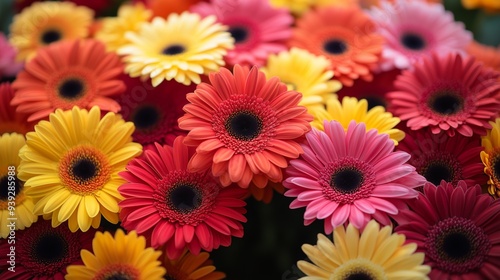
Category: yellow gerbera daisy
[182,47]
[113,29]
[352,109]
[296,7]
[15,206]
[70,166]
[489,5]
[44,23]
[121,257]
[374,254]
[191,267]
[490,156]
[306,73]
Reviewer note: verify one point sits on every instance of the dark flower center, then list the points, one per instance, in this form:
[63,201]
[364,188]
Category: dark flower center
[184,198]
[173,49]
[84,169]
[71,89]
[50,248]
[456,245]
[169,277]
[359,275]
[146,117]
[496,167]
[437,171]
[244,125]
[5,184]
[374,101]
[239,33]
[335,46]
[51,36]
[413,41]
[119,276]
[346,180]
[446,103]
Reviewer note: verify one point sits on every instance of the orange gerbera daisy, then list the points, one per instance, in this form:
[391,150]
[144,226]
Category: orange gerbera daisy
[488,55]
[191,267]
[244,127]
[346,36]
[10,120]
[67,74]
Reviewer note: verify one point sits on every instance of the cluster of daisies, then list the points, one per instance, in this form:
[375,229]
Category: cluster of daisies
[380,119]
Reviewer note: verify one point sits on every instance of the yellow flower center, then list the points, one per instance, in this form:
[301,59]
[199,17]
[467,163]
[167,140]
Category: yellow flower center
[359,269]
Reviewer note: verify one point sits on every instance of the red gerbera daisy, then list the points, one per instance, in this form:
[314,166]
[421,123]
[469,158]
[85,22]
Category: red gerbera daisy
[458,230]
[448,93]
[178,208]
[244,126]
[10,120]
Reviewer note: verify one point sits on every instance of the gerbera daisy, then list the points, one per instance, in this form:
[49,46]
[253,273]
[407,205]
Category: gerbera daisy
[306,73]
[441,157]
[244,126]
[66,74]
[8,65]
[124,256]
[266,193]
[457,229]
[44,23]
[191,267]
[70,166]
[352,109]
[346,36]
[351,176]
[375,253]
[488,55]
[490,156]
[414,29]
[163,8]
[177,208]
[10,120]
[129,18]
[296,7]
[43,252]
[488,5]
[10,186]
[257,34]
[182,47]
[448,93]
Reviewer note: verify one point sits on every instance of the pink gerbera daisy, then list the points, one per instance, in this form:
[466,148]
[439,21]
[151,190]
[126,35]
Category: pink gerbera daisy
[9,67]
[177,208]
[257,28]
[245,127]
[458,230]
[448,93]
[413,29]
[350,176]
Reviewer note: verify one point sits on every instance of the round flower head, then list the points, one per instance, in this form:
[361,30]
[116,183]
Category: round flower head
[488,5]
[163,8]
[374,253]
[182,47]
[43,252]
[8,65]
[457,229]
[244,126]
[258,29]
[306,73]
[350,176]
[490,156]
[488,55]
[177,208]
[10,120]
[44,23]
[448,93]
[124,256]
[191,267]
[352,109]
[10,185]
[414,29]
[346,36]
[70,166]
[66,74]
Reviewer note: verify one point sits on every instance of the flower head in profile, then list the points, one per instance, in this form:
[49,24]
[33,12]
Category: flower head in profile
[456,226]
[350,175]
[122,256]
[490,156]
[374,253]
[258,28]
[191,267]
[176,208]
[181,47]
[10,120]
[244,127]
[70,166]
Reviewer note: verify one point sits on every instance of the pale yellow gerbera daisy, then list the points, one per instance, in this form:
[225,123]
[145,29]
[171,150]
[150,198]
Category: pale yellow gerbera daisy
[182,47]
[490,157]
[70,166]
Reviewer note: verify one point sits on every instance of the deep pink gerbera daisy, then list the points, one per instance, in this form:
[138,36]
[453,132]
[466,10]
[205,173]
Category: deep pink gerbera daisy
[448,93]
[414,29]
[177,208]
[43,252]
[154,110]
[350,176]
[257,28]
[10,120]
[458,230]
[244,126]
[9,67]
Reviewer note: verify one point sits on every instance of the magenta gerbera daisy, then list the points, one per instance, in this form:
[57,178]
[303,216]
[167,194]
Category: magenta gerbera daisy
[449,93]
[457,227]
[178,208]
[257,28]
[413,29]
[350,176]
